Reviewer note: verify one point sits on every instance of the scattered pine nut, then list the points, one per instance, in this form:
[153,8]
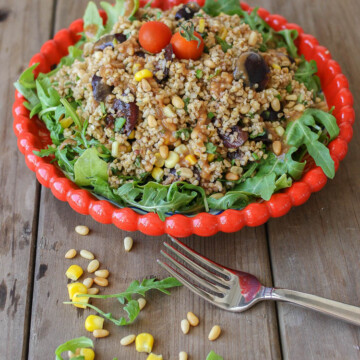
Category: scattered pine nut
[214,333]
[142,303]
[88,282]
[277,147]
[87,255]
[127,340]
[185,326]
[128,243]
[70,254]
[102,273]
[93,291]
[101,281]
[101,333]
[82,230]
[183,355]
[93,266]
[192,318]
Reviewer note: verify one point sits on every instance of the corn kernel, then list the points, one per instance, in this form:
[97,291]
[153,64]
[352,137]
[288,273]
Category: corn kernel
[224,34]
[88,354]
[143,74]
[83,300]
[144,342]
[128,148]
[201,25]
[74,272]
[132,135]
[136,67]
[172,160]
[159,160]
[65,123]
[157,173]
[154,357]
[276,66]
[191,159]
[76,288]
[211,157]
[94,322]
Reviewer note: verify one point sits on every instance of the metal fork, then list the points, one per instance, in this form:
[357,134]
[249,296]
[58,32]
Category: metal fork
[237,291]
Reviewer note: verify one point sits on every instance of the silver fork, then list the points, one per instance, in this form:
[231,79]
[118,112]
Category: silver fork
[237,291]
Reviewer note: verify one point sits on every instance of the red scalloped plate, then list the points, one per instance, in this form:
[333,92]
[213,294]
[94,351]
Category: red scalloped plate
[32,135]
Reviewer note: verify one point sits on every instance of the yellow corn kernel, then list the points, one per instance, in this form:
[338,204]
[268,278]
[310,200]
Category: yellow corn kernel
[201,25]
[136,67]
[115,149]
[76,288]
[83,300]
[132,135]
[223,34]
[128,148]
[276,66]
[143,74]
[144,343]
[94,322]
[211,157]
[65,123]
[159,160]
[172,160]
[88,354]
[154,357]
[157,173]
[74,272]
[191,159]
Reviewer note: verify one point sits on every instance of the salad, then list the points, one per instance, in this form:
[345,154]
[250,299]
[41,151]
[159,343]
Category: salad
[181,111]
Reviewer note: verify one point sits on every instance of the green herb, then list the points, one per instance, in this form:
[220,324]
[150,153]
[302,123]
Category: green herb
[103,108]
[119,124]
[213,356]
[158,15]
[138,162]
[183,134]
[72,345]
[187,102]
[289,88]
[217,72]
[210,148]
[187,30]
[255,156]
[93,22]
[306,74]
[289,37]
[210,115]
[224,45]
[126,298]
[300,132]
[70,111]
[231,200]
[199,74]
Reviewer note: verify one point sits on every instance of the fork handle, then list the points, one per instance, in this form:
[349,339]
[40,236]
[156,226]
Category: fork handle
[336,309]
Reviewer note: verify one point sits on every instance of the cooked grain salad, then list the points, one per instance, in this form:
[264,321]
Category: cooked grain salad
[184,110]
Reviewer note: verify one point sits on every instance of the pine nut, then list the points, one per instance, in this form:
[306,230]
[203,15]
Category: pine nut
[178,102]
[299,108]
[100,333]
[185,326]
[93,266]
[253,38]
[88,282]
[87,255]
[210,64]
[145,85]
[244,109]
[152,121]
[214,333]
[102,273]
[82,230]
[93,291]
[128,243]
[183,355]
[232,177]
[127,340]
[70,254]
[185,172]
[142,303]
[101,281]
[290,104]
[277,147]
[164,151]
[275,104]
[291,97]
[192,318]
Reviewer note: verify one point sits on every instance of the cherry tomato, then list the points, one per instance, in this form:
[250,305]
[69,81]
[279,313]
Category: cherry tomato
[154,36]
[184,49]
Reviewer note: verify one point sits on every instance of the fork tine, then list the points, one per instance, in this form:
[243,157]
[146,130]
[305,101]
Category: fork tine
[189,285]
[215,278]
[192,275]
[212,265]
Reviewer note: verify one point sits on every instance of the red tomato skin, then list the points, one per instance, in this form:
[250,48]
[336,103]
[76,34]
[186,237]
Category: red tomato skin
[184,49]
[154,36]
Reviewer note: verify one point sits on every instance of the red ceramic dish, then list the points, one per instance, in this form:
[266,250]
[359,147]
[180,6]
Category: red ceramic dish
[32,135]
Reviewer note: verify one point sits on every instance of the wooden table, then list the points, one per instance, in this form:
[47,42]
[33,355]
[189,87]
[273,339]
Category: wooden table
[315,248]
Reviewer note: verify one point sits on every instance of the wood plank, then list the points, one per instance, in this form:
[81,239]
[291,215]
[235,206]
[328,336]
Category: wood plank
[315,248]
[18,186]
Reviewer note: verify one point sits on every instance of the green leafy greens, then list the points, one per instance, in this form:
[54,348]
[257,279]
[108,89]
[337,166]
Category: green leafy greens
[213,356]
[72,345]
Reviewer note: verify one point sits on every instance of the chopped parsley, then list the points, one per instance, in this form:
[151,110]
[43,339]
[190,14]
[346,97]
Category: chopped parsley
[211,148]
[138,162]
[199,74]
[217,72]
[119,124]
[224,45]
[183,134]
[210,115]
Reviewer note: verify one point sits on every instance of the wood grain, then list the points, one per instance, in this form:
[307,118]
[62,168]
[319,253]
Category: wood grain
[18,186]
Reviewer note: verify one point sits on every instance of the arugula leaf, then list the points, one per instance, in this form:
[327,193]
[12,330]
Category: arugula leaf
[231,200]
[289,35]
[300,132]
[213,356]
[93,22]
[89,167]
[224,45]
[70,111]
[102,188]
[72,345]
[215,7]
[47,95]
[305,74]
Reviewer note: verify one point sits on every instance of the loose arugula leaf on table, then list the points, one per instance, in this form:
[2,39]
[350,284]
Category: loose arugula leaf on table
[213,356]
[72,345]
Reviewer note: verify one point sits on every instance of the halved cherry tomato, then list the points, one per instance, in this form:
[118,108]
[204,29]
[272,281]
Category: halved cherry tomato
[154,36]
[185,49]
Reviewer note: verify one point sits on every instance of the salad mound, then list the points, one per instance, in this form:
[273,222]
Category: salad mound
[181,111]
